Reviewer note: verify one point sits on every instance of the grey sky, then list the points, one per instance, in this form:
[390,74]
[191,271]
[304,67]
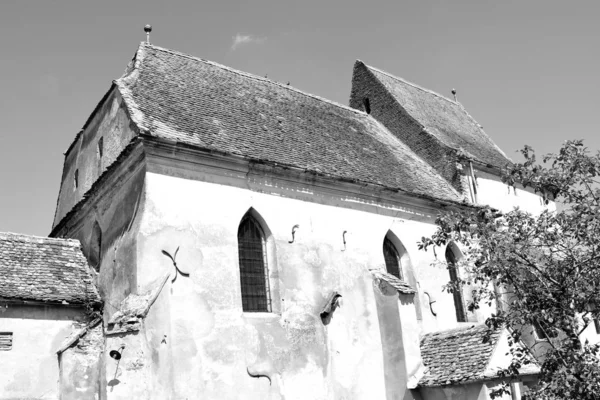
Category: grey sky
[526,70]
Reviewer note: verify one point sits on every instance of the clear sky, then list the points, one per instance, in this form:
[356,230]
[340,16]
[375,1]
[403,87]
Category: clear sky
[526,70]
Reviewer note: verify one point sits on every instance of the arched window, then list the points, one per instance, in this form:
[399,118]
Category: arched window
[95,247]
[254,273]
[392,259]
[459,302]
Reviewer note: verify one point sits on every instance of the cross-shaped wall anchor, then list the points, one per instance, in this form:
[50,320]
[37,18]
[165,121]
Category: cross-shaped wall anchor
[177,270]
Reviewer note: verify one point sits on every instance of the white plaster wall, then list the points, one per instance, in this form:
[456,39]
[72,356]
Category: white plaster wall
[491,191]
[30,369]
[211,338]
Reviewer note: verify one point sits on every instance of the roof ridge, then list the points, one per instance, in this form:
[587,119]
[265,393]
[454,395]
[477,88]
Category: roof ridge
[72,242]
[458,329]
[413,85]
[259,78]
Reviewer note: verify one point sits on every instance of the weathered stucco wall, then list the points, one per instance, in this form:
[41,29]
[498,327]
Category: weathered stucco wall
[82,372]
[197,339]
[112,210]
[109,122]
[491,191]
[30,369]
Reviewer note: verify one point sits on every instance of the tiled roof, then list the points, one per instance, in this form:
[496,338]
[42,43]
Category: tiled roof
[192,101]
[44,269]
[458,355]
[462,355]
[396,283]
[446,119]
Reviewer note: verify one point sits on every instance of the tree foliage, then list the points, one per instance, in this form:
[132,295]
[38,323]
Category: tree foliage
[541,271]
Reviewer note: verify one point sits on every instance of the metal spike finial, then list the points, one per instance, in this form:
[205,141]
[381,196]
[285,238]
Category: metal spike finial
[454,94]
[148,29]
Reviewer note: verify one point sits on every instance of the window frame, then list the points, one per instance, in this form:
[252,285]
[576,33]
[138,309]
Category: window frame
[454,272]
[393,255]
[251,302]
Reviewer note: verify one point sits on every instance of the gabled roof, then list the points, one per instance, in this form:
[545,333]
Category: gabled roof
[443,118]
[174,96]
[44,269]
[463,355]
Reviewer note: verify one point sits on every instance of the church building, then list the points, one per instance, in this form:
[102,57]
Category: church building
[219,235]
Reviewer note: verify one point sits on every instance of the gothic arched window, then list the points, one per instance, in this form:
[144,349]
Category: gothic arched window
[254,273]
[459,302]
[392,258]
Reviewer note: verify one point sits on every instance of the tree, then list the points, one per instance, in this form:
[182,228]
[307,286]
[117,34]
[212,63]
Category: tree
[542,271]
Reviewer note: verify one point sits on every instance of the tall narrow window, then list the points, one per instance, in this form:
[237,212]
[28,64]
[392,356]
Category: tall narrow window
[597,325]
[95,252]
[100,147]
[392,259]
[76,179]
[254,274]
[459,302]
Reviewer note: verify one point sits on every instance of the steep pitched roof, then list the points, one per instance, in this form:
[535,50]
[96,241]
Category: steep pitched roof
[443,118]
[44,269]
[175,96]
[462,355]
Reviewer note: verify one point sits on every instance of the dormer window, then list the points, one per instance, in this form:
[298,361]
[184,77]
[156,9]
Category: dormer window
[367,105]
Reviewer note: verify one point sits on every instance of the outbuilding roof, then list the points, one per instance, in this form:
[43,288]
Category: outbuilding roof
[443,118]
[175,96]
[44,269]
[463,355]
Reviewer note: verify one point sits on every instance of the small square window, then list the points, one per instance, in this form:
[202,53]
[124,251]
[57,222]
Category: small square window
[6,341]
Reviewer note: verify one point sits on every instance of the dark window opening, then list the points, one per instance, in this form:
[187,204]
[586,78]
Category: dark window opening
[597,325]
[96,247]
[6,339]
[76,179]
[254,274]
[392,259]
[367,105]
[100,147]
[459,302]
